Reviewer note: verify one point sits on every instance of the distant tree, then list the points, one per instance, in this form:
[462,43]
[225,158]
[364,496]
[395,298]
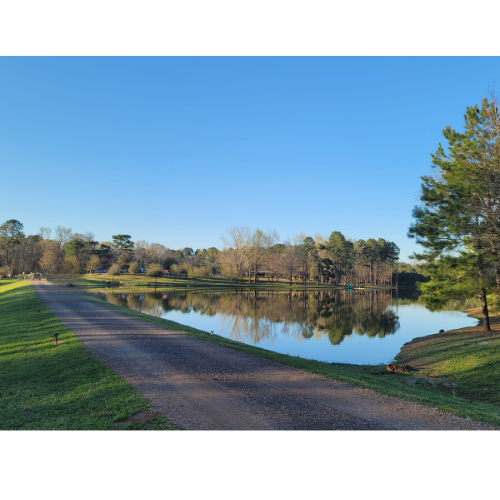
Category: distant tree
[169,262]
[306,250]
[234,258]
[336,245]
[179,269]
[290,259]
[72,264]
[94,263]
[11,229]
[141,245]
[198,272]
[51,258]
[105,253]
[133,268]
[122,241]
[371,252]
[85,237]
[11,235]
[123,261]
[44,232]
[209,258]
[63,235]
[73,248]
[115,269]
[155,270]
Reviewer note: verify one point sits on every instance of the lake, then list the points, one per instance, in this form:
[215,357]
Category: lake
[359,326]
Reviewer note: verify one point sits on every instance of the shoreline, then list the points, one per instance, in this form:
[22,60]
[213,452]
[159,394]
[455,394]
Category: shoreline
[409,386]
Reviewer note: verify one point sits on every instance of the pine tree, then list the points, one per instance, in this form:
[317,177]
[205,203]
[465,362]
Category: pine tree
[457,223]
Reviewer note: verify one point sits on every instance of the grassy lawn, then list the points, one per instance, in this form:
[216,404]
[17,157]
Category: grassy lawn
[470,401]
[49,386]
[464,362]
[211,283]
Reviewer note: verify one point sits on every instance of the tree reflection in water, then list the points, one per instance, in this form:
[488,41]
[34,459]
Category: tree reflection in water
[255,316]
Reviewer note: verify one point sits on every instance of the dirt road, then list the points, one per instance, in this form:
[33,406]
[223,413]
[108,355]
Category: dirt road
[200,385]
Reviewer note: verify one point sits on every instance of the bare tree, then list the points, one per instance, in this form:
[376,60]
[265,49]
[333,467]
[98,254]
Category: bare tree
[44,233]
[63,235]
[290,259]
[258,250]
[233,258]
[85,237]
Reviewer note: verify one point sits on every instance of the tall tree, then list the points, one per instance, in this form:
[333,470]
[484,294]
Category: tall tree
[371,252]
[122,241]
[290,258]
[456,223]
[11,229]
[233,259]
[63,235]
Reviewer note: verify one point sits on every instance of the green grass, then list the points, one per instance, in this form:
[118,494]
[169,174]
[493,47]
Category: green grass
[49,386]
[211,283]
[464,362]
[416,388]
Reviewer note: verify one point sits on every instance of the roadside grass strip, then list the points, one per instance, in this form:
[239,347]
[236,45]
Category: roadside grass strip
[409,386]
[46,385]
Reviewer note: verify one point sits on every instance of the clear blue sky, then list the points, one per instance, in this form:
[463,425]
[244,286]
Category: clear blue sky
[176,150]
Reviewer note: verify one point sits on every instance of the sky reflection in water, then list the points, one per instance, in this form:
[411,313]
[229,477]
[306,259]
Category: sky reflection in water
[363,327]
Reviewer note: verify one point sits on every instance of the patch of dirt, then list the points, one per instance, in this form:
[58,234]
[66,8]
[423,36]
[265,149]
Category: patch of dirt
[400,368]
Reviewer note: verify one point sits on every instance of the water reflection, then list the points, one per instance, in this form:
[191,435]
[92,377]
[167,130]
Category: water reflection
[253,317]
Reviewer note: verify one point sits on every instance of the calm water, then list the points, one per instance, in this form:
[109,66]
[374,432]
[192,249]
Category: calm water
[362,326]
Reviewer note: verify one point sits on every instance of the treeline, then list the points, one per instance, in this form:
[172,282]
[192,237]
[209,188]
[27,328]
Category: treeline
[458,221]
[411,274]
[246,256]
[75,253]
[336,260]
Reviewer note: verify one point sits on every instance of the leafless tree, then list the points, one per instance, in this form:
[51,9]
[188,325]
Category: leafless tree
[63,235]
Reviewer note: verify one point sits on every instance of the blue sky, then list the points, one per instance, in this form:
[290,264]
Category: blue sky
[175,150]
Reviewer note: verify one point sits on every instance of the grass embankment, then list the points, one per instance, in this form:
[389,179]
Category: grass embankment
[44,385]
[463,362]
[181,283]
[413,387]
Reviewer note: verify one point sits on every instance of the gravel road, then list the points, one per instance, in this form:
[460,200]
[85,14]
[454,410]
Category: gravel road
[200,385]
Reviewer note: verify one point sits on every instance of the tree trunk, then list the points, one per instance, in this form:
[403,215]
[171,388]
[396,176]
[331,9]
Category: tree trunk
[486,317]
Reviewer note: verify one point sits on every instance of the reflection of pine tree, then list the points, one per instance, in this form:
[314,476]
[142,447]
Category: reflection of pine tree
[254,316]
